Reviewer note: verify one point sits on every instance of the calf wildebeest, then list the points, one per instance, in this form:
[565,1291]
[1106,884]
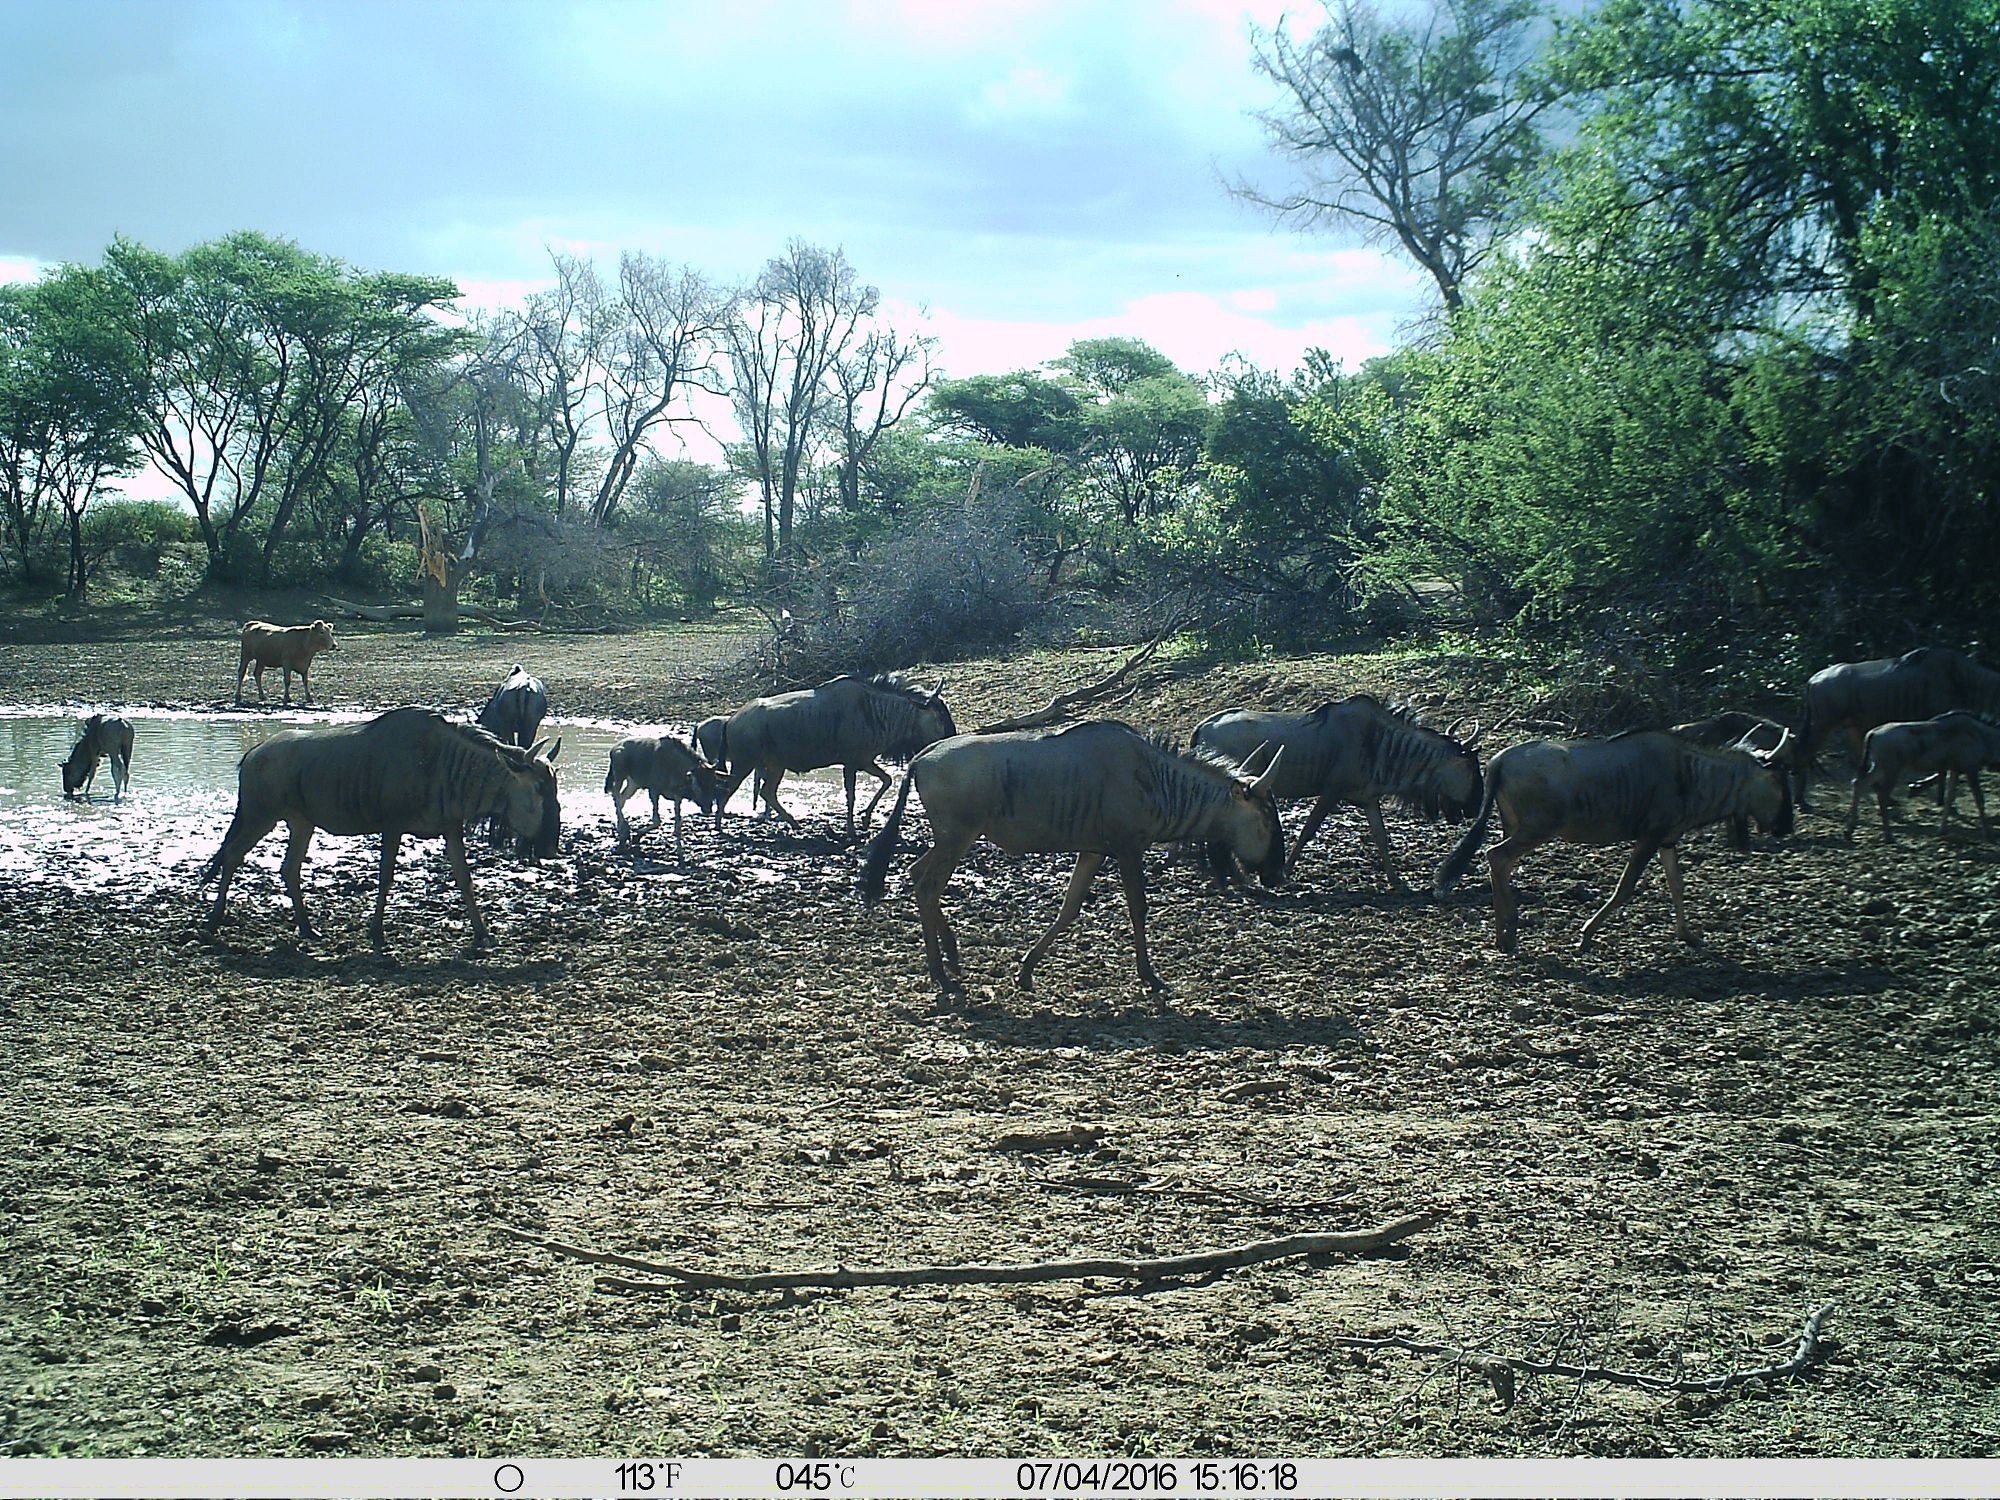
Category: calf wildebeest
[291,647]
[850,722]
[1102,790]
[513,715]
[1894,755]
[105,737]
[661,766]
[411,772]
[1850,698]
[1649,787]
[1356,751]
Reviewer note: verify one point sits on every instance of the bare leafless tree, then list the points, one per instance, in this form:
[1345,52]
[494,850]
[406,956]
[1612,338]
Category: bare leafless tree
[1414,131]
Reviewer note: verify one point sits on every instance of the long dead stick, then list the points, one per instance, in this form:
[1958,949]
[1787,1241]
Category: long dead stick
[1063,702]
[1356,1242]
[1500,1368]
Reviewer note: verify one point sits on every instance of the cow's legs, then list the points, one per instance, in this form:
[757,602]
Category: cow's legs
[241,838]
[1380,833]
[1087,866]
[1642,855]
[461,873]
[1132,875]
[305,683]
[294,867]
[285,667]
[1314,818]
[391,842]
[928,877]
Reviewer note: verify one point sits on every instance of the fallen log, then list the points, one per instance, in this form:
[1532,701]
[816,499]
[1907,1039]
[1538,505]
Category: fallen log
[388,613]
[1201,1263]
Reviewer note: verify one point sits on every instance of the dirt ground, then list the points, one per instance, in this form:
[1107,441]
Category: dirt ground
[253,1191]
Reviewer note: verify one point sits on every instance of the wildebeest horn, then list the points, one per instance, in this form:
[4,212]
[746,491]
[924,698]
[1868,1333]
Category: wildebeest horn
[536,752]
[1471,739]
[1269,771]
[939,689]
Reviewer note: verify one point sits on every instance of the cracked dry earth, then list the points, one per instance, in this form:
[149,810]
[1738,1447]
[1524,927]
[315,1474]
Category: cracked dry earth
[253,1191]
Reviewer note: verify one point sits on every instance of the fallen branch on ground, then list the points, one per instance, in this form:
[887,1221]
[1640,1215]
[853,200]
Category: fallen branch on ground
[1090,692]
[385,613]
[1356,1242]
[1500,1369]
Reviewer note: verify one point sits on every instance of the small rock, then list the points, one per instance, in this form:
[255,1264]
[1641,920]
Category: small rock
[322,1442]
[427,1374]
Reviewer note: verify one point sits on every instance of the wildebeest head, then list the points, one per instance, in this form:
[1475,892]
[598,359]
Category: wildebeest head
[1251,832]
[76,770]
[531,810]
[1459,783]
[927,721]
[1767,800]
[704,785]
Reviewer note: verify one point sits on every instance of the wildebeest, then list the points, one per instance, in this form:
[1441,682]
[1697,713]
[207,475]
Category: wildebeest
[1649,787]
[1100,789]
[1954,745]
[105,737]
[1850,698]
[513,715]
[1356,751]
[291,647]
[661,766]
[710,739]
[411,771]
[850,722]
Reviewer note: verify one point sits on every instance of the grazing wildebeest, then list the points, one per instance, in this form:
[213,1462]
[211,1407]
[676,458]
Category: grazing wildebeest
[513,715]
[1894,755]
[291,647]
[411,772]
[1764,738]
[1649,787]
[661,766]
[105,737]
[1102,790]
[1850,698]
[710,739]
[1357,751]
[850,722]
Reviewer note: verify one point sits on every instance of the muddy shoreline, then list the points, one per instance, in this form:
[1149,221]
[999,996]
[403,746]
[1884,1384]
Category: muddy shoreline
[252,1190]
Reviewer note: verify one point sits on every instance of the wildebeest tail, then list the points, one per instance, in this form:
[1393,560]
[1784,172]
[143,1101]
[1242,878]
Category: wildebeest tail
[1460,859]
[882,849]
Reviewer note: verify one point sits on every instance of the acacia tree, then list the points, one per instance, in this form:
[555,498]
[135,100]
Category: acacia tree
[877,386]
[1411,131]
[805,312]
[68,408]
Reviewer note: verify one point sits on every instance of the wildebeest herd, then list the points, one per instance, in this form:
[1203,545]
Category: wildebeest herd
[1099,789]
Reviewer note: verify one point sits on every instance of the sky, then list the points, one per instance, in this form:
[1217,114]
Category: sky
[1011,174]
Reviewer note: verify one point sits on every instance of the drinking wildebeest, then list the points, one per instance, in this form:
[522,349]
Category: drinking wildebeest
[850,722]
[710,739]
[1102,790]
[1357,751]
[291,647]
[1649,787]
[513,715]
[409,772]
[661,766]
[105,737]
[1894,755]
[1851,698]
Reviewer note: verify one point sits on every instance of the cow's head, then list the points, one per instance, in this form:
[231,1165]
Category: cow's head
[321,637]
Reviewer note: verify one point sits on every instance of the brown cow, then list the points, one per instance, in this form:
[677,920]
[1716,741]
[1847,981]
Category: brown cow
[291,647]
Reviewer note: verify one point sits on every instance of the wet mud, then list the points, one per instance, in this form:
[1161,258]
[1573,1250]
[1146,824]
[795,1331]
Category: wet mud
[254,1190]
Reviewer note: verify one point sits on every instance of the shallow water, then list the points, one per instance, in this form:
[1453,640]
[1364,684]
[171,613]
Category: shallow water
[182,793]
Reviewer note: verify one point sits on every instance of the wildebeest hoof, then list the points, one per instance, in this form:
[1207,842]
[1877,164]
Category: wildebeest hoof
[1025,980]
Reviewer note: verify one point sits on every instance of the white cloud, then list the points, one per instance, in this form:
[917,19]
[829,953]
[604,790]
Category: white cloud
[20,268]
[1028,93]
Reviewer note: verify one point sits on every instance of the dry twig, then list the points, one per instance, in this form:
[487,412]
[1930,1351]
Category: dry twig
[1355,1242]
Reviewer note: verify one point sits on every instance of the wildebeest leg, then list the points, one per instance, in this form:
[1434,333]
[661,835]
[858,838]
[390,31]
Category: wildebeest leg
[1087,866]
[1947,794]
[242,666]
[461,873]
[1882,802]
[680,849]
[1132,874]
[1313,819]
[391,842]
[295,863]
[848,776]
[1501,859]
[1381,836]
[655,797]
[868,812]
[1979,801]
[1670,867]
[618,797]
[236,844]
[1642,855]
[121,773]
[773,775]
[928,877]
[1854,807]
